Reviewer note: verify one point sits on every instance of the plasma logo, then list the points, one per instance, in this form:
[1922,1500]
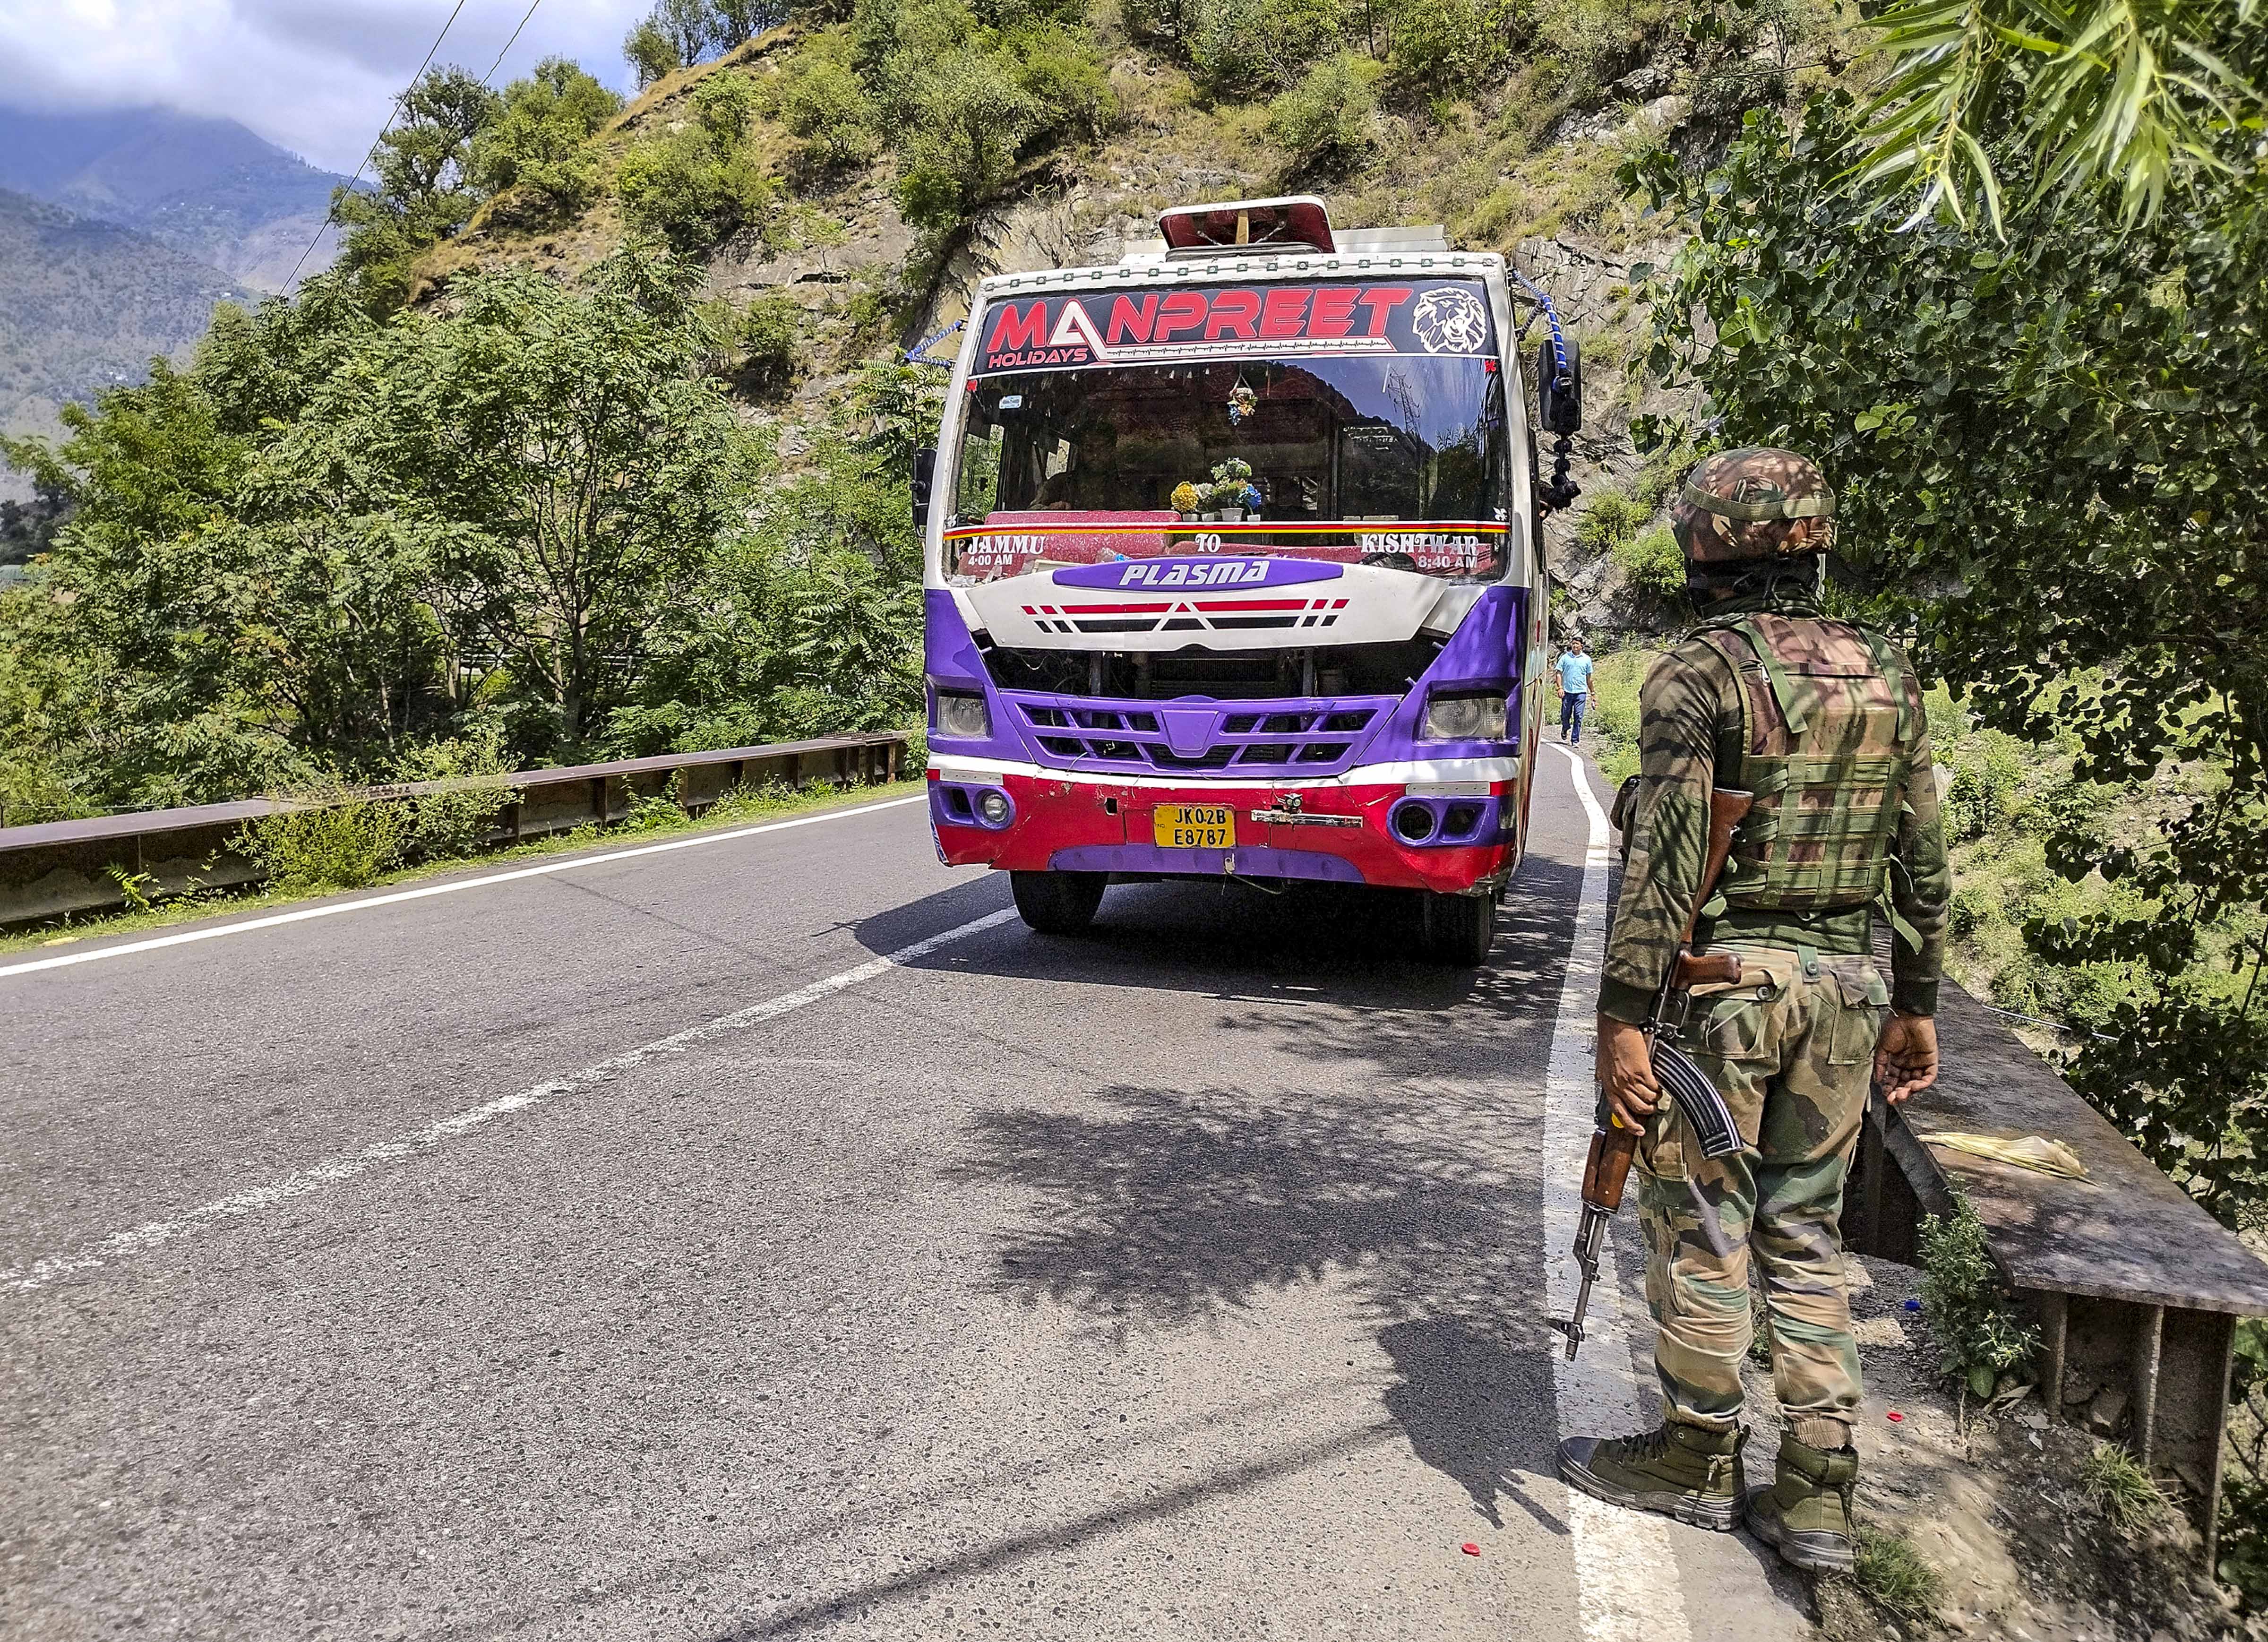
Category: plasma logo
[1225,573]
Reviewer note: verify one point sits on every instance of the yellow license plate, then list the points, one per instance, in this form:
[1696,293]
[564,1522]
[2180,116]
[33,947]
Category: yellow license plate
[1195,827]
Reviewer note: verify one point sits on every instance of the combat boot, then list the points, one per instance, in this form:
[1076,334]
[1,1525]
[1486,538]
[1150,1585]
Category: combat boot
[1805,1515]
[1690,1472]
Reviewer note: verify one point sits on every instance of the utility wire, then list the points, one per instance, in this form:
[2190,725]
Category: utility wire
[508,44]
[331,215]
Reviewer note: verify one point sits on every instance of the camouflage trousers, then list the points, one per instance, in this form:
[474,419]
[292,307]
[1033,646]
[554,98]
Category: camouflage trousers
[1792,1047]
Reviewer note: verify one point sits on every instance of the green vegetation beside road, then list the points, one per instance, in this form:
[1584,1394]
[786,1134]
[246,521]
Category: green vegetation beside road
[361,848]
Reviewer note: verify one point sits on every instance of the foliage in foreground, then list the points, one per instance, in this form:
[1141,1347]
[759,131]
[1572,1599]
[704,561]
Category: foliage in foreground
[2125,1493]
[1970,1311]
[2050,455]
[1893,1576]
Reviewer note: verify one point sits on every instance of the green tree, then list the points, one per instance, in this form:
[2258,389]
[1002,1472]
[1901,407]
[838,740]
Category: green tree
[820,99]
[2049,452]
[699,184]
[539,138]
[650,52]
[561,456]
[971,123]
[1327,124]
[424,193]
[2106,92]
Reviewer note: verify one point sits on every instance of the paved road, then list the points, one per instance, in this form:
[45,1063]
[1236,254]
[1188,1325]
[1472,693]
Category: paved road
[770,1237]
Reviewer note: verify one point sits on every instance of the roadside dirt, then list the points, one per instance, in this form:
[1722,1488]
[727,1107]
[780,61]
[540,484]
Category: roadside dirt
[1994,1504]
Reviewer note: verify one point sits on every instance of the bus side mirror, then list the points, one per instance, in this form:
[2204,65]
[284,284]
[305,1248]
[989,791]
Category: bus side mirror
[1559,385]
[925,473]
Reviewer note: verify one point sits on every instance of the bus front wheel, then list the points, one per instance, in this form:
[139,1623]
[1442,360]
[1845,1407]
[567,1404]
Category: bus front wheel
[1459,930]
[1057,903]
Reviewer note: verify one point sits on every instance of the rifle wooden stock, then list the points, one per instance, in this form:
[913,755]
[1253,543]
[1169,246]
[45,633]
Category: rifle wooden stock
[1728,806]
[1607,1167]
[1716,966]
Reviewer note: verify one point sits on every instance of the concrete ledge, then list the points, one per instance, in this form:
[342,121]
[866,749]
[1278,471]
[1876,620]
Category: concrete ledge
[59,867]
[2136,1290]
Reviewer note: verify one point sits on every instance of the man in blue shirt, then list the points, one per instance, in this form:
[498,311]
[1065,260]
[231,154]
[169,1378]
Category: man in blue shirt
[1574,690]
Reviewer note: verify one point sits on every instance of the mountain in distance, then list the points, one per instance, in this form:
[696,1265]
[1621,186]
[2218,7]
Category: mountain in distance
[85,305]
[208,188]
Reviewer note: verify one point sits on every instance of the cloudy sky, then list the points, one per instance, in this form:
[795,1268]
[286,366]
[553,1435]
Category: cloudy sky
[314,75]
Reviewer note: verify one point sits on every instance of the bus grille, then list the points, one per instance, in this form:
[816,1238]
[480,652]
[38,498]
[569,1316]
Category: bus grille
[1200,738]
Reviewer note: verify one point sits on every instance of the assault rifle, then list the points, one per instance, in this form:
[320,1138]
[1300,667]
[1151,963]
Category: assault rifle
[1613,1145]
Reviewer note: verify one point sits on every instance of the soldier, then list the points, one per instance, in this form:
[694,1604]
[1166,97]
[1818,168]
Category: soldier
[1822,721]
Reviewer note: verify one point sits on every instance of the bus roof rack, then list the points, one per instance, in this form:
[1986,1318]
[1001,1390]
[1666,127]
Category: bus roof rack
[1295,220]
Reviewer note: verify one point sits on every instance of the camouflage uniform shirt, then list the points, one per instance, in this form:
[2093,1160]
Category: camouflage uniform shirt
[1690,726]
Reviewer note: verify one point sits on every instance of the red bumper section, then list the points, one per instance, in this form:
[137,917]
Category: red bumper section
[1096,827]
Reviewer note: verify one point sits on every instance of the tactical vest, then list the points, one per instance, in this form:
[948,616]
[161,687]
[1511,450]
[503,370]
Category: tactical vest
[1828,721]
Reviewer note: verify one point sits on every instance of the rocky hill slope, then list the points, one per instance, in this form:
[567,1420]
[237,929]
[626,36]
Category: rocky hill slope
[1511,134]
[85,304]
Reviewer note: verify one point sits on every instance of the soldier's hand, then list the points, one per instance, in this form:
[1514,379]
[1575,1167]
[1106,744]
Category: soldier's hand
[1905,1056]
[1627,1072]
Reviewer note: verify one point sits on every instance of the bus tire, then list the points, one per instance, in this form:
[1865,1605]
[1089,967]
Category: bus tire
[1459,930]
[1057,903]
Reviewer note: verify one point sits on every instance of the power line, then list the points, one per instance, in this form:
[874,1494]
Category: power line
[508,44]
[331,215]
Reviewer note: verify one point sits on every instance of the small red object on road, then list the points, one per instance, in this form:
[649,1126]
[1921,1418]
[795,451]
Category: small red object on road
[1896,1418]
[1469,1549]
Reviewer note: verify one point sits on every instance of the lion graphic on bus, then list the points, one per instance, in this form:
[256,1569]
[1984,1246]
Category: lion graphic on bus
[1450,321]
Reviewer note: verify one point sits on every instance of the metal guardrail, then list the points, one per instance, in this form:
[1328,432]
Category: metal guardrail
[56,867]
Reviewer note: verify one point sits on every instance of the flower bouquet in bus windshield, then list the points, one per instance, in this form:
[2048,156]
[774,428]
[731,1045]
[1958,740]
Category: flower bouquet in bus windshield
[1395,461]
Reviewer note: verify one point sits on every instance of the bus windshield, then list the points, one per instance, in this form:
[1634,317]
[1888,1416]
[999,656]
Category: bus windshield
[1386,449]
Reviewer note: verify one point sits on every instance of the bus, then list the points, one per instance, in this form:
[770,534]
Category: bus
[1233,570]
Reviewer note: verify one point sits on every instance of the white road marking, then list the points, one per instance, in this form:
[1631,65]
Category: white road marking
[332,909]
[331,1171]
[1625,1561]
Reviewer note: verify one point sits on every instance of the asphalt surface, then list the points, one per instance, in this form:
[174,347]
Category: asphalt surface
[379,1276]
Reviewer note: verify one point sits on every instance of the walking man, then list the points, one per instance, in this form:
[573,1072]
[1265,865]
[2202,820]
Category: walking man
[1574,690]
[1823,722]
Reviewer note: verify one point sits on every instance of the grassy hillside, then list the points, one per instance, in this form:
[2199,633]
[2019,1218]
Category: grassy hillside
[845,182]
[86,304]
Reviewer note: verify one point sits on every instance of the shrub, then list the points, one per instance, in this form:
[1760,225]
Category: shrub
[1169,23]
[1652,561]
[1610,518]
[455,823]
[723,104]
[771,331]
[1439,49]
[1613,722]
[1069,88]
[1893,1577]
[340,841]
[539,141]
[1327,122]
[1243,48]
[971,120]
[821,101]
[1968,1308]
[699,184]
[2116,1483]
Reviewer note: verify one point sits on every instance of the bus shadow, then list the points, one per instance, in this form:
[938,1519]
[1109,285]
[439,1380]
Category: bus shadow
[1323,944]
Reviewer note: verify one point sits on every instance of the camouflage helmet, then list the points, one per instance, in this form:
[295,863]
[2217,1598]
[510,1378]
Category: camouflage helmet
[1727,494]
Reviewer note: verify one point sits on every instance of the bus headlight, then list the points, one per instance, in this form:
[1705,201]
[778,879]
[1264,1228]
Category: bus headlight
[1464,717]
[963,718]
[995,808]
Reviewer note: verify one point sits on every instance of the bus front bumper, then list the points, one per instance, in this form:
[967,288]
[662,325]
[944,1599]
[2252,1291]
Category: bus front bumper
[1446,830]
